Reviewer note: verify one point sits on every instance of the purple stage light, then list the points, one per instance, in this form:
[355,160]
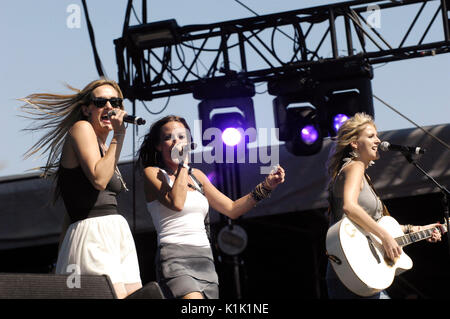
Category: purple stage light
[231,136]
[309,134]
[338,120]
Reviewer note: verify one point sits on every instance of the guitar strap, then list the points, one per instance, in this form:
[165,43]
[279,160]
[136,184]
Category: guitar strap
[385,210]
[369,181]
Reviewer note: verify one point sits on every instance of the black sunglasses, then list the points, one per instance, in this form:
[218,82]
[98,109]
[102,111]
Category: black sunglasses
[101,102]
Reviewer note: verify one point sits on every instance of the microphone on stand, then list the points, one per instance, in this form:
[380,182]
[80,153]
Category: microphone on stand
[386,146]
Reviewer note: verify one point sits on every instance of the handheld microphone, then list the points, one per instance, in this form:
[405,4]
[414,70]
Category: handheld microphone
[134,119]
[180,150]
[386,146]
[129,118]
[187,148]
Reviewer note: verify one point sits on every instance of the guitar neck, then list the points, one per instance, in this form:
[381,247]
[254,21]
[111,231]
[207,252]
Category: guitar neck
[416,236]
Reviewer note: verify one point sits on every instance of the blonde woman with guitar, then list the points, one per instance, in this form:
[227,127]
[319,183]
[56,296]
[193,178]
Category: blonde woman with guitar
[353,201]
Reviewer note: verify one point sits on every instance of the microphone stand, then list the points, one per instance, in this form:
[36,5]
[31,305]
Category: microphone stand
[445,192]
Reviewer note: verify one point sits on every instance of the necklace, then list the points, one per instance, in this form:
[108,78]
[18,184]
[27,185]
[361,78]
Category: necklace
[119,176]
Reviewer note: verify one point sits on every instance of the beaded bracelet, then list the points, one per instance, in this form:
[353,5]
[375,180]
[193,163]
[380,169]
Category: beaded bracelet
[260,192]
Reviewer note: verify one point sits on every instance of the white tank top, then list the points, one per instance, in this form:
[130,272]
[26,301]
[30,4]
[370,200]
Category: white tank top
[185,227]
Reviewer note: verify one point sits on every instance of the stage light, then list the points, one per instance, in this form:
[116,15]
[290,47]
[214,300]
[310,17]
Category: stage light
[309,134]
[231,136]
[155,34]
[307,138]
[298,125]
[334,91]
[338,120]
[341,106]
[232,126]
[227,103]
[342,100]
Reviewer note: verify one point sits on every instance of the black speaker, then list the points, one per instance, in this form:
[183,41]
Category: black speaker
[50,286]
[149,291]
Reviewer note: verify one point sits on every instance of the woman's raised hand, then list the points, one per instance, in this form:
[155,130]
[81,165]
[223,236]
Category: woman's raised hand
[275,178]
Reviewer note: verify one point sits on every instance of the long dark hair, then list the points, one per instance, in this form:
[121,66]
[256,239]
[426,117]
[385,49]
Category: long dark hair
[148,155]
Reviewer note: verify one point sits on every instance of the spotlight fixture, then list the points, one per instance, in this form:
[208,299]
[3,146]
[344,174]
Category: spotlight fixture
[232,125]
[338,120]
[298,125]
[232,95]
[309,134]
[231,136]
[306,138]
[156,34]
[341,101]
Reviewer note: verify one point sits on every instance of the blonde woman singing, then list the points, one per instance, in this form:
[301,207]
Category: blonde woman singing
[97,238]
[351,193]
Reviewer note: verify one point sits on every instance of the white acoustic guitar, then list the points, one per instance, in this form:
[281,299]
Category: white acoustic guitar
[358,257]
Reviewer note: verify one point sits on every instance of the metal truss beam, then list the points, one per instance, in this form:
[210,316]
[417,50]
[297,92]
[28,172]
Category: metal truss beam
[267,47]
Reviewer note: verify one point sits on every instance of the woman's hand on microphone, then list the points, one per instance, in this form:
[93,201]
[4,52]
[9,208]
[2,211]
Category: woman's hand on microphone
[116,118]
[180,152]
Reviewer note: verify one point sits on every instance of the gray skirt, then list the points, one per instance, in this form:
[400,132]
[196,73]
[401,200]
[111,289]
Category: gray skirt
[182,269]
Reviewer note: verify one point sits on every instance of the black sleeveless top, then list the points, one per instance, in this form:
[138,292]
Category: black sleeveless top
[80,197]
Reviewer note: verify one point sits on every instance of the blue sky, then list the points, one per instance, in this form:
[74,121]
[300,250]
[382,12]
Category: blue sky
[40,53]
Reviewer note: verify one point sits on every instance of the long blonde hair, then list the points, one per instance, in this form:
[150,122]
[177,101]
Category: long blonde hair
[57,113]
[347,133]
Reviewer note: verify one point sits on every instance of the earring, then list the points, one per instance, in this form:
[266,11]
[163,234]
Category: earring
[354,154]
